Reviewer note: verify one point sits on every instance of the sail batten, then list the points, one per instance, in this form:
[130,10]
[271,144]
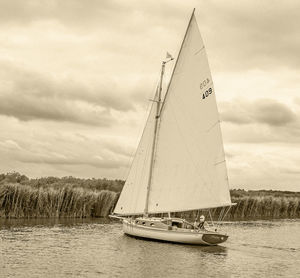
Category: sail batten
[190,168]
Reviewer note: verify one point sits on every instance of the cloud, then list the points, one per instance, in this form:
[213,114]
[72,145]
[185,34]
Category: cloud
[58,150]
[234,113]
[29,95]
[263,111]
[251,34]
[94,161]
[69,11]
[297,101]
[27,109]
[259,122]
[273,113]
[10,144]
[254,166]
[75,78]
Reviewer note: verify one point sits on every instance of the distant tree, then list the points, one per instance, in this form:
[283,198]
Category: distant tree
[13,177]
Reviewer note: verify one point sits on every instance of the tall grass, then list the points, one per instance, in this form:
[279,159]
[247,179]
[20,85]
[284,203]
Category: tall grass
[21,197]
[23,201]
[255,207]
[261,207]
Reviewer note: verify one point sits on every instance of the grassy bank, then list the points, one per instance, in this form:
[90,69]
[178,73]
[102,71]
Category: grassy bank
[23,201]
[264,204]
[256,207]
[21,197]
[251,207]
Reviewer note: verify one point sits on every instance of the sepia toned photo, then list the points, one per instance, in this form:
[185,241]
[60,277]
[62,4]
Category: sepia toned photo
[149,138]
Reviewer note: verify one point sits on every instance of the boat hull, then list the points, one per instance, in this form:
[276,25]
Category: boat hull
[195,237]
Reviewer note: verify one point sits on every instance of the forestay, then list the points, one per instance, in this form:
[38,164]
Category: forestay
[189,167]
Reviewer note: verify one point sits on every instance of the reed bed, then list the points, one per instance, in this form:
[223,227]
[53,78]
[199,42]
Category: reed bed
[254,208]
[21,197]
[264,207]
[23,201]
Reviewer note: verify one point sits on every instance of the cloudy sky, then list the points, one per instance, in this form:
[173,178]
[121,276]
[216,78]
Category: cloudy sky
[76,76]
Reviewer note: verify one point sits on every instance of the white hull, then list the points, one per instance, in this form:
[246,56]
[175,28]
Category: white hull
[186,236]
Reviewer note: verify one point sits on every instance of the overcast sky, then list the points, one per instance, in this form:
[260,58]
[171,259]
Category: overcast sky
[76,76]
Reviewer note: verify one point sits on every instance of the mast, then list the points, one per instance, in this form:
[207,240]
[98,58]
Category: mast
[157,115]
[159,107]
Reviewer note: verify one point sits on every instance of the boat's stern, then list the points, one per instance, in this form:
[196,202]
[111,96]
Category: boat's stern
[214,238]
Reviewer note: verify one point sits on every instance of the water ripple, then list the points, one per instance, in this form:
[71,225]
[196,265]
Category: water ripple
[96,248]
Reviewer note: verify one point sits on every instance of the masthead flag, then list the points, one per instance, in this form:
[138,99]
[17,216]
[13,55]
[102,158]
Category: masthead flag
[169,56]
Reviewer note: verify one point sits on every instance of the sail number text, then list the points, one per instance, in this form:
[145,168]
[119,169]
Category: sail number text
[207,93]
[204,83]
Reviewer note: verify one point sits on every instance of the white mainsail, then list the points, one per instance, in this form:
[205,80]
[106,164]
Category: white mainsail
[189,162]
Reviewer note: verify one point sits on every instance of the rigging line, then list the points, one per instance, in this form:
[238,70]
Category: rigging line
[221,214]
[227,212]
[212,221]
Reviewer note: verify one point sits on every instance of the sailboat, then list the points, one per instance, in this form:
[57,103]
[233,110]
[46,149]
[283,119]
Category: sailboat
[180,163]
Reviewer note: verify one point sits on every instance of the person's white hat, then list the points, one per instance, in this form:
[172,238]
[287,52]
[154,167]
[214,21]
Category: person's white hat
[202,218]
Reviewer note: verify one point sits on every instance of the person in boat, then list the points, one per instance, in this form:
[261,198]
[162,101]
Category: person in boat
[200,224]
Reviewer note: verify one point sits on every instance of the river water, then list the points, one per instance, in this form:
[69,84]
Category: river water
[98,248]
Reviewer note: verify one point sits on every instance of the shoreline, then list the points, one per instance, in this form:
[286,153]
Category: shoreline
[73,198]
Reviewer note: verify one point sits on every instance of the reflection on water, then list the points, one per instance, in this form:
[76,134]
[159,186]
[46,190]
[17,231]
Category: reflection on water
[209,249]
[49,222]
[98,248]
